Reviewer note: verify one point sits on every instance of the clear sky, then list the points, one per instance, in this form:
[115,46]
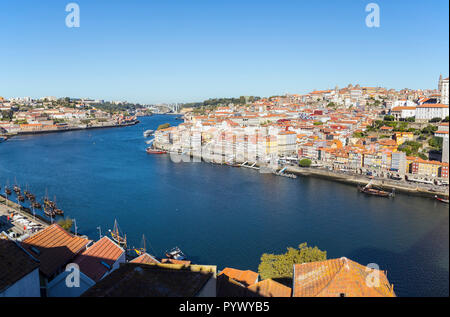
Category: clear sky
[190,50]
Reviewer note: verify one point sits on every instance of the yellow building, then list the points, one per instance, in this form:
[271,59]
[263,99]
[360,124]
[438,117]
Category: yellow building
[402,137]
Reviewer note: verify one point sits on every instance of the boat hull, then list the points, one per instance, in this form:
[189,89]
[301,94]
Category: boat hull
[153,151]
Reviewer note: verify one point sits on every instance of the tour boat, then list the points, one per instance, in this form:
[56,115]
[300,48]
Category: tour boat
[175,254]
[445,201]
[153,151]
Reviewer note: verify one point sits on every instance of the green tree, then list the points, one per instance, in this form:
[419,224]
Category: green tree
[305,163]
[429,129]
[410,148]
[359,135]
[164,126]
[280,266]
[436,143]
[389,118]
[446,119]
[435,120]
[65,223]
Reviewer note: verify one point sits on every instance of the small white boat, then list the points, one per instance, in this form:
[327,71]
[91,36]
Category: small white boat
[148,133]
[176,254]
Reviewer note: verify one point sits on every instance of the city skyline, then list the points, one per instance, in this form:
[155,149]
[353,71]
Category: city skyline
[172,52]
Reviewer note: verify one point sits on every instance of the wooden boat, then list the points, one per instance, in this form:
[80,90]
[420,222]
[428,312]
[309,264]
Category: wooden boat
[36,205]
[58,211]
[16,189]
[8,191]
[153,151]
[135,252]
[115,235]
[442,200]
[20,198]
[49,212]
[374,191]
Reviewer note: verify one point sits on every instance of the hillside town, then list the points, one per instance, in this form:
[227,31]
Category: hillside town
[377,132]
[50,114]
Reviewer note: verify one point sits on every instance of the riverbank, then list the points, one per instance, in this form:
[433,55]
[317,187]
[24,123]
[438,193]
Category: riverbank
[354,179]
[418,189]
[77,128]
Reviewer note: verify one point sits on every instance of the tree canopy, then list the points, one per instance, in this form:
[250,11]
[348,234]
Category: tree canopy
[281,266]
[164,126]
[305,163]
[65,223]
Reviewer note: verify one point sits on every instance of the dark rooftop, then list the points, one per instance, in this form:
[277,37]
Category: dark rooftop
[15,263]
[153,280]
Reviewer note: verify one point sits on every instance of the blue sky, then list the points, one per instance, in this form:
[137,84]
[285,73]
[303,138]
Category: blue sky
[179,51]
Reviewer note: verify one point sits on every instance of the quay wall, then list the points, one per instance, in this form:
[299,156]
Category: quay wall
[352,179]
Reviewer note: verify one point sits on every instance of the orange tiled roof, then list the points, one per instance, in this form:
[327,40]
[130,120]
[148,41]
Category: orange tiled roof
[55,247]
[432,105]
[270,288]
[337,277]
[245,277]
[145,259]
[173,261]
[90,261]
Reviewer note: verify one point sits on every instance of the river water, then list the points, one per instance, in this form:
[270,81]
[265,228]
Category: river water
[227,216]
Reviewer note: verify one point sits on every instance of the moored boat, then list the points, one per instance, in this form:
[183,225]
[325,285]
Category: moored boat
[36,205]
[442,200]
[175,254]
[153,151]
[116,237]
[16,189]
[369,190]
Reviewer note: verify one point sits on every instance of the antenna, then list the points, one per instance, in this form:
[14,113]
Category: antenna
[75,224]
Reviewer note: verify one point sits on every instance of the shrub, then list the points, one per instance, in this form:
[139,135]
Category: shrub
[305,163]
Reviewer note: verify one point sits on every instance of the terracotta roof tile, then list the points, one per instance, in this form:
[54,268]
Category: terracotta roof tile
[245,277]
[90,261]
[270,288]
[145,259]
[54,247]
[336,277]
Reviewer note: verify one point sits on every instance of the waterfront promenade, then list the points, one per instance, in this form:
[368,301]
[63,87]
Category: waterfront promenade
[8,207]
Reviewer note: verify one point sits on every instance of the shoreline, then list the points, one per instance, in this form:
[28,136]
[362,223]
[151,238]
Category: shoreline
[73,129]
[350,179]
